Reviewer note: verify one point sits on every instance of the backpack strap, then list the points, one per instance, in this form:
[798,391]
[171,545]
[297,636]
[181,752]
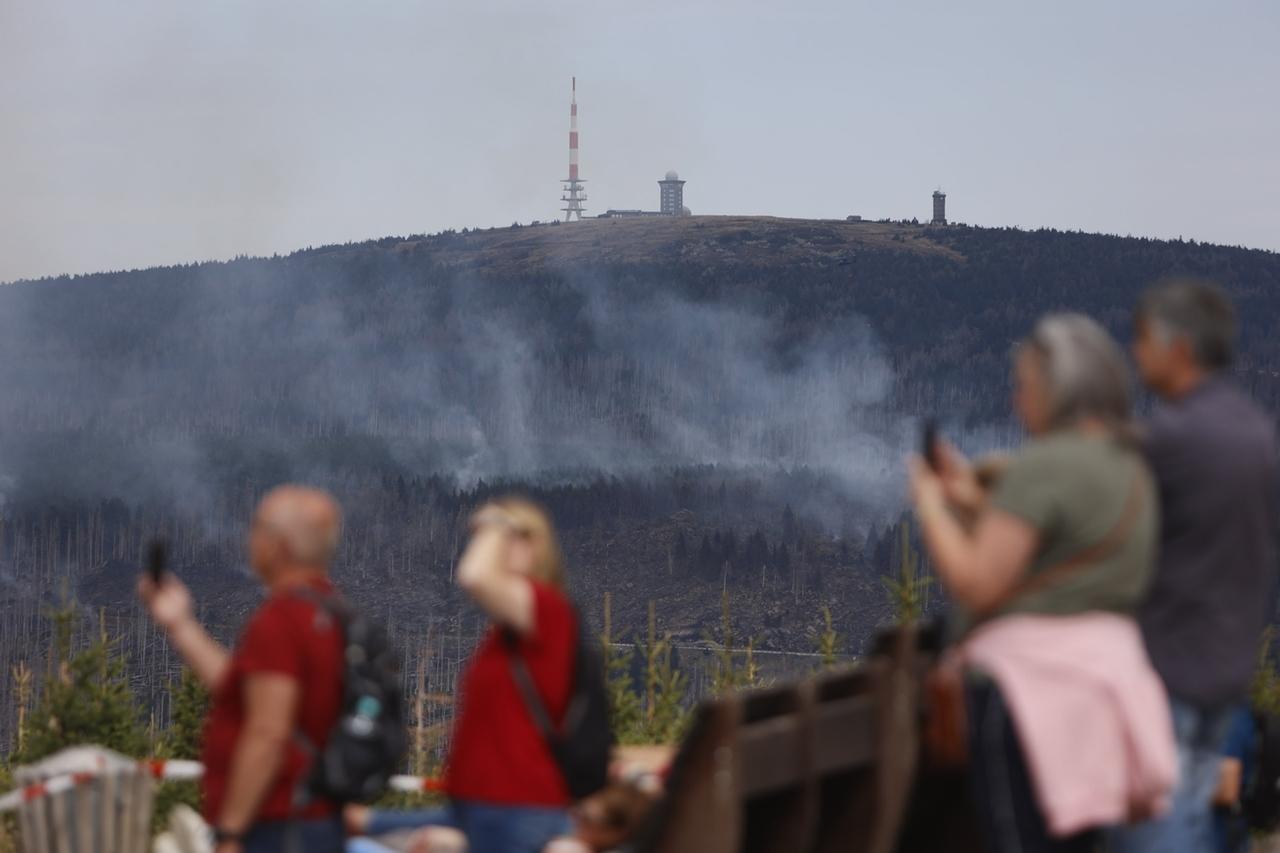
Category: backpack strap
[328,605]
[1105,547]
[331,608]
[528,690]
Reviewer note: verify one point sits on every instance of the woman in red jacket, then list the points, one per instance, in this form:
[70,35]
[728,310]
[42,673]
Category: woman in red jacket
[506,793]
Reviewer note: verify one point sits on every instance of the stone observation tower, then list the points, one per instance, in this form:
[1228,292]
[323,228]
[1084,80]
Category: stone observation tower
[939,208]
[672,195]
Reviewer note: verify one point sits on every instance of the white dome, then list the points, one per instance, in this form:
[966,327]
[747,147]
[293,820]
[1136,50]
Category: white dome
[672,176]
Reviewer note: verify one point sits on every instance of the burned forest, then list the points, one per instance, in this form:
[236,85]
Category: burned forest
[715,409]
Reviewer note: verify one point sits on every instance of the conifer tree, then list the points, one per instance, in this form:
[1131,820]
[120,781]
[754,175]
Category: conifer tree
[1264,692]
[668,716]
[8,825]
[908,590]
[86,698]
[624,704]
[828,640]
[626,715]
[188,703]
[751,667]
[22,693]
[657,713]
[665,714]
[22,676]
[728,675]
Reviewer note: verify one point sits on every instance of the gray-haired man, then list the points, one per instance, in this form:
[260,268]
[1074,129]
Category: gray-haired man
[1213,453]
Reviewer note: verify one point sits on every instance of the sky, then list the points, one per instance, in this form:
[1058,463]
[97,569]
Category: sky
[144,132]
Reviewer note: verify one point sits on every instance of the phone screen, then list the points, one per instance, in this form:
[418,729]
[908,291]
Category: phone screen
[156,558]
[929,444]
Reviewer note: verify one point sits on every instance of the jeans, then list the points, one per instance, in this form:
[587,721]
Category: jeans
[1008,814]
[489,828]
[1188,825]
[314,835]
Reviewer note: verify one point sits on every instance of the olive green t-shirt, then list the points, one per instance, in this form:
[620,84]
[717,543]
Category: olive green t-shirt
[1073,489]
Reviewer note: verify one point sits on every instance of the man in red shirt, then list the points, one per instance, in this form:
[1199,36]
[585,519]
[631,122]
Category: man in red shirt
[278,693]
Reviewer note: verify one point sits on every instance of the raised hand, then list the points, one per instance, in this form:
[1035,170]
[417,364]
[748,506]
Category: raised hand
[168,602]
[959,483]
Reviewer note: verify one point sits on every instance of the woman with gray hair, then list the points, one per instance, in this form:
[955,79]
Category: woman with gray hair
[1067,728]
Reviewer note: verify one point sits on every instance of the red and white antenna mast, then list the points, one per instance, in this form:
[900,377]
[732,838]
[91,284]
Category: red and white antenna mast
[574,194]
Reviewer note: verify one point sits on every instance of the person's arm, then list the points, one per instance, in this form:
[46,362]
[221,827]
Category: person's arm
[1230,780]
[506,596]
[169,604]
[978,568]
[271,704]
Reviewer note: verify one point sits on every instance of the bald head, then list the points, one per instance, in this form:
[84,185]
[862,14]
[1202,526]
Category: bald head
[304,522]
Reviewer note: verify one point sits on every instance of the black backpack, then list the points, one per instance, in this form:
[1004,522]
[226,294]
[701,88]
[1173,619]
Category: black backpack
[1260,797]
[369,740]
[583,742]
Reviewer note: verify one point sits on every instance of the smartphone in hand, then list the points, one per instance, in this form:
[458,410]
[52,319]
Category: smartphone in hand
[157,558]
[929,445]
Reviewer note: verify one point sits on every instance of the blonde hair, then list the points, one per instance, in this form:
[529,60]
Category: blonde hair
[533,522]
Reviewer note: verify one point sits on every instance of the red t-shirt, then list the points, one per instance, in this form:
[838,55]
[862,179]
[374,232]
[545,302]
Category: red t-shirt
[288,635]
[498,754]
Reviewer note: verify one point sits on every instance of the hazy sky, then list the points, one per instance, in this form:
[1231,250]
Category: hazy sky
[145,132]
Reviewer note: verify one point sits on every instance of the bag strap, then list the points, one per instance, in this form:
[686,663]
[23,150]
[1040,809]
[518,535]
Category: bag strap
[332,607]
[528,690]
[1111,543]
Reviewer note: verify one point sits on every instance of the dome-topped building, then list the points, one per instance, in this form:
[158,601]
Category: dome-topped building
[671,201]
[672,196]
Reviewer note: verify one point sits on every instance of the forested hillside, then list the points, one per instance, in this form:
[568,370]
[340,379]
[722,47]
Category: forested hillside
[711,406]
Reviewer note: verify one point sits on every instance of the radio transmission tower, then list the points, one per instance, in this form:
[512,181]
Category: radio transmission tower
[574,194]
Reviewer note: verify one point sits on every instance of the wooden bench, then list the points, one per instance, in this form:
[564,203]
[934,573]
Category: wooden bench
[826,764]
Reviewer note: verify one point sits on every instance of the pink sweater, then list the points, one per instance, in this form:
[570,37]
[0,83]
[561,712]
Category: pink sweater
[1090,712]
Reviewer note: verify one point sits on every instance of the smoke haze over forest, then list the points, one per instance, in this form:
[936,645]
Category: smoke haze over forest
[547,353]
[156,386]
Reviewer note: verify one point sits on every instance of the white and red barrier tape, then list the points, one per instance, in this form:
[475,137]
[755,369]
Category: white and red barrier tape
[172,770]
[415,784]
[157,768]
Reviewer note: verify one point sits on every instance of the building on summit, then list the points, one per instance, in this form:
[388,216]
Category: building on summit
[671,195]
[670,201]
